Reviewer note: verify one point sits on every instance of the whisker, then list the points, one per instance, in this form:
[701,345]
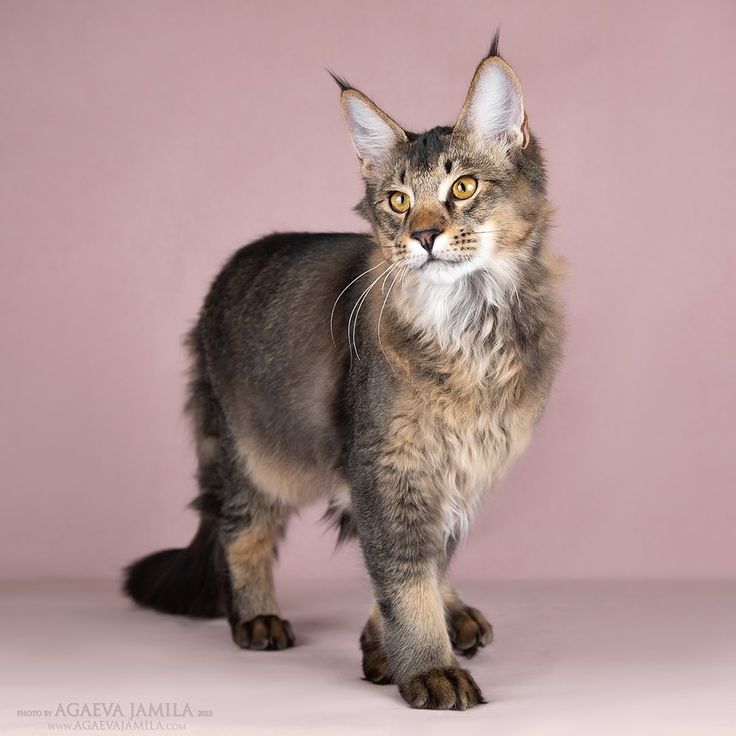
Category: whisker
[363,298]
[387,274]
[380,314]
[332,313]
[357,305]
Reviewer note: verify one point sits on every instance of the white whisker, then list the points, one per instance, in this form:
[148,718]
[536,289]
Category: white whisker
[383,306]
[358,304]
[332,313]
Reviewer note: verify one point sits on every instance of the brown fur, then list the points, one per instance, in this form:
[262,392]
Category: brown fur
[396,376]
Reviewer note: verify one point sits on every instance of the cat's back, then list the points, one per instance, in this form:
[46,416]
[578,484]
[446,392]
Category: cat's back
[279,290]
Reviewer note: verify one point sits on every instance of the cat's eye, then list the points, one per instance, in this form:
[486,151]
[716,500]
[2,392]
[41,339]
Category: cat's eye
[399,202]
[465,187]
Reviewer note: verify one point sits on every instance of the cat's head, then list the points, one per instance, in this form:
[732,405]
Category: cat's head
[455,203]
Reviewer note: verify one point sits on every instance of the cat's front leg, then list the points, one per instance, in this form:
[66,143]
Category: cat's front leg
[418,650]
[468,628]
[403,548]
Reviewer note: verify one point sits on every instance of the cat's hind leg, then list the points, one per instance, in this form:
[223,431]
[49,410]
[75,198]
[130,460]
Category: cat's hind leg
[248,522]
[250,529]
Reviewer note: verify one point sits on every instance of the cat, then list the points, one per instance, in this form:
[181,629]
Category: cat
[396,374]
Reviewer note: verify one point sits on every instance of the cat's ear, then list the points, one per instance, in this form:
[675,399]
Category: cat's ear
[375,135]
[494,107]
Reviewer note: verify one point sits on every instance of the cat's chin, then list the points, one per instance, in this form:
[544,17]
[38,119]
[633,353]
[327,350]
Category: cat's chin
[444,273]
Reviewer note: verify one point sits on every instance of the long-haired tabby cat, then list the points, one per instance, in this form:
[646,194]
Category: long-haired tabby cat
[396,374]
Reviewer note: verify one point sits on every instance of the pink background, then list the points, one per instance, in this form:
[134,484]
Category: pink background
[142,142]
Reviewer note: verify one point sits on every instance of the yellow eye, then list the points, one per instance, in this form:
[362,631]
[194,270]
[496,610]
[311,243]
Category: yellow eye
[465,187]
[399,202]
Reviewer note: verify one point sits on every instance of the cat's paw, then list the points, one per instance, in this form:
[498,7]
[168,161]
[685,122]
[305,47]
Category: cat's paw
[375,666]
[469,630]
[448,688]
[264,633]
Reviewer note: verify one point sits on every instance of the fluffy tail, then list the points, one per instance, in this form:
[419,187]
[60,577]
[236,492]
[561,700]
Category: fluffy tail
[186,582]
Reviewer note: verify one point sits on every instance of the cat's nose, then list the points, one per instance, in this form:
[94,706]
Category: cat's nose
[426,238]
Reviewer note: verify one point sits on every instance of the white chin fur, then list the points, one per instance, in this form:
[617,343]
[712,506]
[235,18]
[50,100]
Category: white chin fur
[443,272]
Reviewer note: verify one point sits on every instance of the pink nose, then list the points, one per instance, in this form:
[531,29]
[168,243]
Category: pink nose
[426,238]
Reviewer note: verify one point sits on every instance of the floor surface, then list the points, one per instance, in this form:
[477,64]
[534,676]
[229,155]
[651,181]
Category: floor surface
[569,658]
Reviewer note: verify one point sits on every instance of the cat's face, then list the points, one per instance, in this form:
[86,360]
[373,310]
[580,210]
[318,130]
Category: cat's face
[432,204]
[454,201]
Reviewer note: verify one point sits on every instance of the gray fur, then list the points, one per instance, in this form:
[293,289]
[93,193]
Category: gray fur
[286,410]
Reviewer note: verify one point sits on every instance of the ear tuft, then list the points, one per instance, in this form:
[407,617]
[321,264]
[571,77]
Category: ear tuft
[375,135]
[493,51]
[341,82]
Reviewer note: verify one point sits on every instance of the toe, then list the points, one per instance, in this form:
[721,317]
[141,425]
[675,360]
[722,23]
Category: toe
[469,631]
[447,688]
[486,630]
[260,634]
[264,633]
